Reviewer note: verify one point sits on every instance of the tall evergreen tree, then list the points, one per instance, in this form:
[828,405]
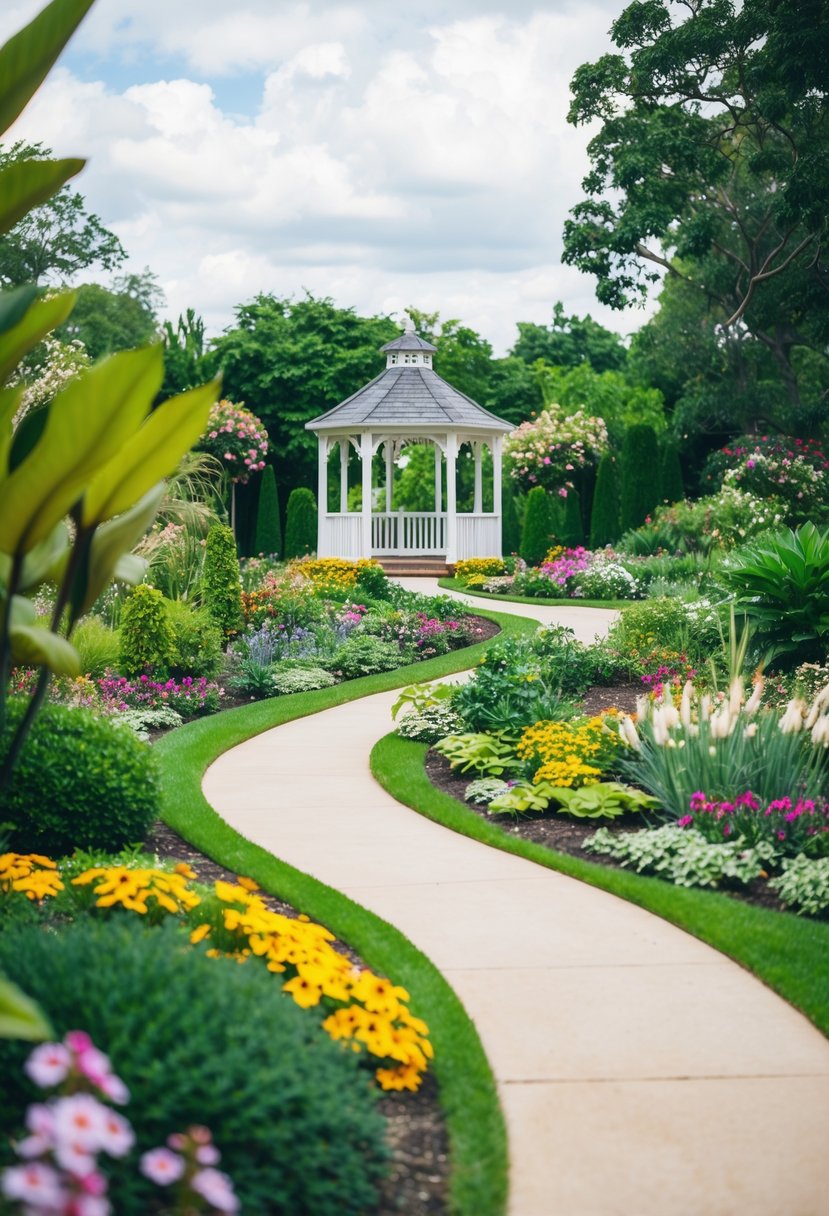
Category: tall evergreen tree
[604,517]
[536,534]
[301,523]
[640,475]
[268,539]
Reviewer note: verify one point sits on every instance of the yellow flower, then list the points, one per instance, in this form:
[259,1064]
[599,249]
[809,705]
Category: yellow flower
[200,933]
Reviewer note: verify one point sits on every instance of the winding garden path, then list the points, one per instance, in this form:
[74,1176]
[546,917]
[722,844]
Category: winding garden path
[641,1072]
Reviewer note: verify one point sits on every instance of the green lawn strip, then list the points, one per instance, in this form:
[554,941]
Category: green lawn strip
[788,953]
[467,1090]
[454,584]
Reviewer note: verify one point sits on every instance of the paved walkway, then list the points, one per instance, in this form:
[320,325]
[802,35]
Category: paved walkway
[641,1073]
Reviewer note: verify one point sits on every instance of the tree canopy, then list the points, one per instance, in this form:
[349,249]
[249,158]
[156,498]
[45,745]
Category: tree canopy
[712,163]
[569,342]
[57,240]
[120,317]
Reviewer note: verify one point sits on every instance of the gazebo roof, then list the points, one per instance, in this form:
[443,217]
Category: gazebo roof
[408,397]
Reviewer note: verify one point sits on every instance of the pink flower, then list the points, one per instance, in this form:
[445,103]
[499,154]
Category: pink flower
[162,1166]
[33,1183]
[117,1137]
[49,1064]
[79,1120]
[216,1188]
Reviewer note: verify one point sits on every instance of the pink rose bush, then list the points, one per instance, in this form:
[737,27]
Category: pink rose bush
[550,449]
[237,438]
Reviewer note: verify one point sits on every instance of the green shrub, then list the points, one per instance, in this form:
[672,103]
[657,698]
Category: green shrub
[781,583]
[204,1041]
[299,679]
[640,475]
[510,523]
[222,585]
[536,536]
[572,528]
[604,515]
[666,625]
[197,641]
[510,699]
[704,525]
[146,636]
[99,646]
[300,523]
[365,655]
[80,782]
[373,582]
[268,535]
[671,486]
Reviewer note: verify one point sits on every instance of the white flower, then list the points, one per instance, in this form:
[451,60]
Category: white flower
[792,719]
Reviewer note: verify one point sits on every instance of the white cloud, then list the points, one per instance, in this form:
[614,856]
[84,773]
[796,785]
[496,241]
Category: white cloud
[393,156]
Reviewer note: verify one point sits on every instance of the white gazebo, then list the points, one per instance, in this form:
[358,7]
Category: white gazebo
[408,403]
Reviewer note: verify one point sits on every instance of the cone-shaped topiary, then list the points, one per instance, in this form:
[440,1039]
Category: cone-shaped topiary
[640,475]
[301,523]
[510,527]
[537,531]
[268,539]
[572,528]
[221,584]
[671,488]
[146,634]
[604,517]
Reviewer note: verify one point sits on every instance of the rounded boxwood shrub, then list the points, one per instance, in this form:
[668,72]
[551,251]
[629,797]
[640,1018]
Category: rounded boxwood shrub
[365,655]
[80,782]
[146,636]
[203,1041]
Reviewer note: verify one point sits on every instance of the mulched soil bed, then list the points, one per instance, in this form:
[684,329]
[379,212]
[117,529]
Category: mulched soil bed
[562,834]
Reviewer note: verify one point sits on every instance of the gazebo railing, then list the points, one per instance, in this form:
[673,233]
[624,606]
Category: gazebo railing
[408,532]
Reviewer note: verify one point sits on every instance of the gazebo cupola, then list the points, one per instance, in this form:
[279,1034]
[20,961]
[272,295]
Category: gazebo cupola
[406,404]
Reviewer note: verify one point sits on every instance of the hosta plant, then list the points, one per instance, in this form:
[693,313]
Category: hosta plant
[804,885]
[482,791]
[488,755]
[781,584]
[684,858]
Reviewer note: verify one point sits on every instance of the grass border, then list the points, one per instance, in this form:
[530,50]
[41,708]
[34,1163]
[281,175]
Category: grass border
[788,953]
[468,1096]
[454,584]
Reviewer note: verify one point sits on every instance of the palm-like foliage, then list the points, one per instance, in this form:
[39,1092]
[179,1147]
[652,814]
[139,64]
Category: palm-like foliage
[781,583]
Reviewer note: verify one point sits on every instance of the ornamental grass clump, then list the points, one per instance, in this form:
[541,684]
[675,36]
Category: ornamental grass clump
[726,746]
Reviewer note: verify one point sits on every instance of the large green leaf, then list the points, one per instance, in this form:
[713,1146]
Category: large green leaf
[40,318]
[89,421]
[43,559]
[20,1017]
[27,183]
[110,543]
[35,646]
[10,399]
[153,453]
[13,304]
[27,57]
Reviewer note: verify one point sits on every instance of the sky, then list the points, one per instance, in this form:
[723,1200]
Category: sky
[381,154]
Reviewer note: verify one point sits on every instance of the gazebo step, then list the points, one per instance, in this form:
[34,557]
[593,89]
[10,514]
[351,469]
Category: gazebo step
[414,567]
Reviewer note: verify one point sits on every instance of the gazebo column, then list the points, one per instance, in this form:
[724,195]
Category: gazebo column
[478,499]
[343,476]
[389,474]
[322,496]
[451,499]
[497,504]
[366,454]
[438,479]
